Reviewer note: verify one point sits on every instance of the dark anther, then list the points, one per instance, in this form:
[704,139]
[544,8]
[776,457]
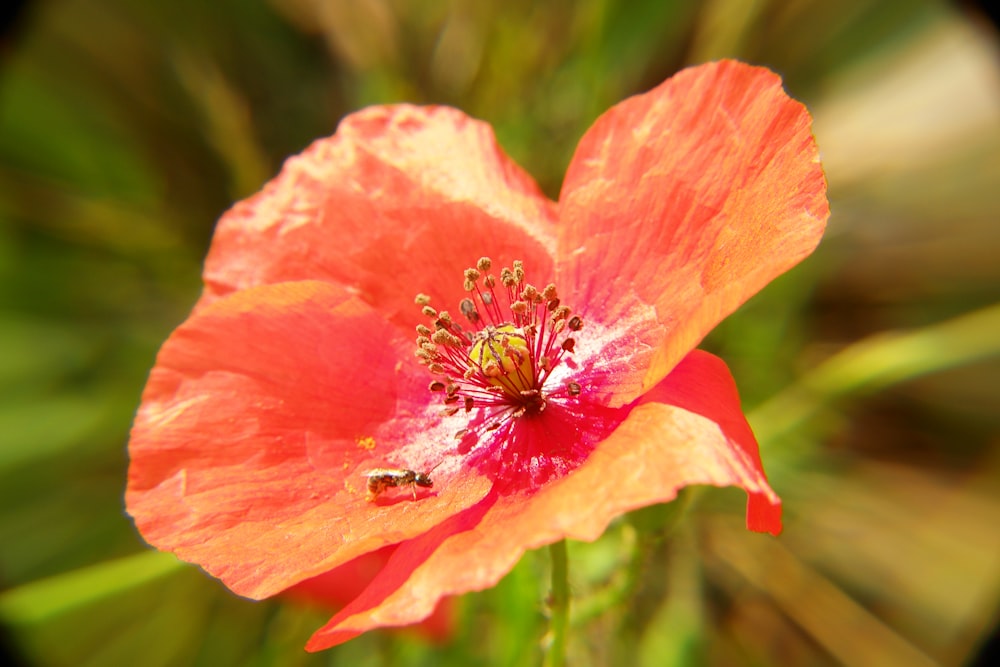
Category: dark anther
[468,309]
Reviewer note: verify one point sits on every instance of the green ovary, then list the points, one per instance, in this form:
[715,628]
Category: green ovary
[505,360]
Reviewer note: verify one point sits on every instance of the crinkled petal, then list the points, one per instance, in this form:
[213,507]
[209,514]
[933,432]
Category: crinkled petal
[334,589]
[688,430]
[401,199]
[263,412]
[703,385]
[682,203]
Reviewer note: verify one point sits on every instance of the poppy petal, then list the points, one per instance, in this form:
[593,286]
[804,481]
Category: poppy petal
[687,430]
[378,207]
[262,414]
[334,589]
[685,201]
[703,385]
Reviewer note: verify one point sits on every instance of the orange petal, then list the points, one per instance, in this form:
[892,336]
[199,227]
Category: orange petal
[332,590]
[401,199]
[684,202]
[257,423]
[688,430]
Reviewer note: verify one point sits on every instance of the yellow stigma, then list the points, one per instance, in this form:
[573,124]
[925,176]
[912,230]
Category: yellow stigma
[502,355]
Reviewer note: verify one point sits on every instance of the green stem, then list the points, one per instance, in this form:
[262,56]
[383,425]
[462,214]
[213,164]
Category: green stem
[558,606]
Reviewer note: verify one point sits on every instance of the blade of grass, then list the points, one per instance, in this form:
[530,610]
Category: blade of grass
[41,600]
[878,362]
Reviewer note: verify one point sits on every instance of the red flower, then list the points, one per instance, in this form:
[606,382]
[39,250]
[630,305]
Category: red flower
[296,375]
[339,586]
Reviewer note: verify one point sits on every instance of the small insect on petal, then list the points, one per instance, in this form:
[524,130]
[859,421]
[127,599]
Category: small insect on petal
[380,479]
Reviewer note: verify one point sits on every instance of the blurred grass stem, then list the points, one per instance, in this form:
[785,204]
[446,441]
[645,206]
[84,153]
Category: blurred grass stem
[41,600]
[558,606]
[878,362]
[845,628]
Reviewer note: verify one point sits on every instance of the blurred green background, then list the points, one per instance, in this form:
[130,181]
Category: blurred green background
[869,372]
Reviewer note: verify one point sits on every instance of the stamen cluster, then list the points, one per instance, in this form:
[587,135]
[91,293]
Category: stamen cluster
[518,334]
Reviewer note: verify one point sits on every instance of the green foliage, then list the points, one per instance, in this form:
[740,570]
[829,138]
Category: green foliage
[127,128]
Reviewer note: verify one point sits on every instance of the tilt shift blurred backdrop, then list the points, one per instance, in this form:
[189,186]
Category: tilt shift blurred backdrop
[869,372]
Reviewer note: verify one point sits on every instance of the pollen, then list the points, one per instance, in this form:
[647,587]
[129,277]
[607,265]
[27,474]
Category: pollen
[515,336]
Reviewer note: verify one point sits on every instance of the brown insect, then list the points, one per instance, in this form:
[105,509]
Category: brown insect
[380,479]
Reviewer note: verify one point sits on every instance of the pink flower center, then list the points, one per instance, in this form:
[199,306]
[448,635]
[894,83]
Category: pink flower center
[517,336]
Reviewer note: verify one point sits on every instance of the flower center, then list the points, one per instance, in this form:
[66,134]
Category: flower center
[518,335]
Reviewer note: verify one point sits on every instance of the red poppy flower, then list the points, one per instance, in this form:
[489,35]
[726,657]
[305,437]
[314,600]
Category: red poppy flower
[556,395]
[336,588]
